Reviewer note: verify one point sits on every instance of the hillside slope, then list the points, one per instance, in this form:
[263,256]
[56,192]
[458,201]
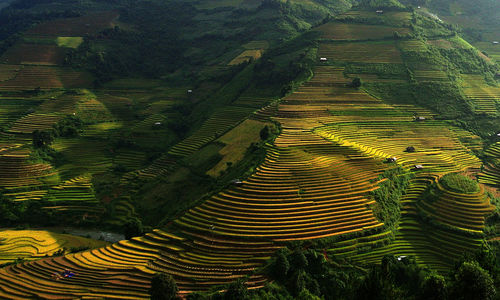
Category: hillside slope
[388,106]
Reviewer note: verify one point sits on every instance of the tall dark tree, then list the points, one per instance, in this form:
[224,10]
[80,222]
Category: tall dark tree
[281,266]
[133,228]
[237,290]
[264,133]
[434,288]
[356,82]
[163,287]
[42,138]
[471,282]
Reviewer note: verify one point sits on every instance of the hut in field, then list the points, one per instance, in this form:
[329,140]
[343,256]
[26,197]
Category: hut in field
[379,11]
[420,119]
[236,182]
[418,167]
[392,159]
[410,149]
[495,42]
[323,59]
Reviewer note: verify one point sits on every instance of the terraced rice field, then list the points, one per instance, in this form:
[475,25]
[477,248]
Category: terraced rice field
[493,51]
[34,54]
[412,45]
[35,121]
[130,159]
[485,98]
[348,31]
[13,109]
[430,245]
[75,190]
[36,244]
[430,75]
[313,183]
[75,27]
[17,171]
[246,56]
[220,122]
[490,174]
[361,52]
[253,45]
[45,77]
[464,211]
[307,188]
[123,270]
[95,159]
[391,17]
[8,72]
[438,148]
[236,142]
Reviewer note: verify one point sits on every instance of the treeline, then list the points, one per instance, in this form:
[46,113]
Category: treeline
[152,49]
[308,274]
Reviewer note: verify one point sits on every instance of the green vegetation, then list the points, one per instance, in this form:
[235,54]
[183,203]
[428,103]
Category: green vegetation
[163,287]
[459,183]
[388,195]
[306,272]
[69,42]
[384,4]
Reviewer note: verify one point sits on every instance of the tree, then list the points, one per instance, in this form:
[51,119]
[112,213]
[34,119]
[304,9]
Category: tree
[70,126]
[299,259]
[42,138]
[237,290]
[433,287]
[306,295]
[356,82]
[473,282]
[163,287]
[264,133]
[376,286]
[281,266]
[133,228]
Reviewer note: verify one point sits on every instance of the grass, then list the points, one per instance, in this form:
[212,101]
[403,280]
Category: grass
[69,42]
[236,143]
[246,56]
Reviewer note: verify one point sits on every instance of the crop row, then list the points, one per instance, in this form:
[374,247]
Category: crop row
[123,270]
[436,146]
[221,121]
[350,31]
[361,52]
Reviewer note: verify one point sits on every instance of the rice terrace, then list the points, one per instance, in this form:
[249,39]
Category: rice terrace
[249,149]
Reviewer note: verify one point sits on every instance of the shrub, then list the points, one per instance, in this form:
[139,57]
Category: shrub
[459,183]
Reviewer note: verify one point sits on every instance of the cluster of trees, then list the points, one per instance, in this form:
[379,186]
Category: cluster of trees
[387,196]
[70,126]
[308,274]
